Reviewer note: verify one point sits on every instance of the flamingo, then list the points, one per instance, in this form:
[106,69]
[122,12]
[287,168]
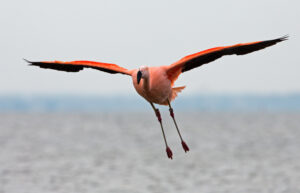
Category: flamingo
[155,84]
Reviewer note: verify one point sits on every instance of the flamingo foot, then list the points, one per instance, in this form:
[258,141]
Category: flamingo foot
[169,153]
[184,146]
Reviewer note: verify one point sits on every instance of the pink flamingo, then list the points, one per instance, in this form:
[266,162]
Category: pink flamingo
[155,84]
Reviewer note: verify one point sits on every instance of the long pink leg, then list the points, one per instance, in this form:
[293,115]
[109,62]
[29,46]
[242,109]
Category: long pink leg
[157,113]
[184,145]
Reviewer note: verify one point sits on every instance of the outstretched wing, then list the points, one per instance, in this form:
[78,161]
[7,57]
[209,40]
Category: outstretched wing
[198,59]
[76,66]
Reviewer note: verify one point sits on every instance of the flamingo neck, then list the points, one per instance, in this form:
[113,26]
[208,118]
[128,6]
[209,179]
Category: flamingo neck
[146,84]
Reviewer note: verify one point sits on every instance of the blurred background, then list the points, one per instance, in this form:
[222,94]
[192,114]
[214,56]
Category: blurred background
[90,131]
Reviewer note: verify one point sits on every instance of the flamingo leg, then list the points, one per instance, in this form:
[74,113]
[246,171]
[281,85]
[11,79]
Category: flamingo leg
[184,145]
[157,113]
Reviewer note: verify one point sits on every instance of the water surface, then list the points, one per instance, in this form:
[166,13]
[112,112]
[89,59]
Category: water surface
[124,152]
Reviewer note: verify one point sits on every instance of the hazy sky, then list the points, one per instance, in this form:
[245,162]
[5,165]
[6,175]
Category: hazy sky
[134,32]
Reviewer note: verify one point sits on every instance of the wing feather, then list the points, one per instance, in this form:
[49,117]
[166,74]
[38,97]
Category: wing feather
[76,66]
[198,59]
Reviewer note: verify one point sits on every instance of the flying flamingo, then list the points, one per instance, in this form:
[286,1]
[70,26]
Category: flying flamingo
[155,84]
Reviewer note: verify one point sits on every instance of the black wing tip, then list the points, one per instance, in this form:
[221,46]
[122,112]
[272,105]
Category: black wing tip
[29,62]
[284,38]
[26,60]
[54,66]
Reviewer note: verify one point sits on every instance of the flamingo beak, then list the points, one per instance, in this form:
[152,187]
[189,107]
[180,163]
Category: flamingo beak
[139,76]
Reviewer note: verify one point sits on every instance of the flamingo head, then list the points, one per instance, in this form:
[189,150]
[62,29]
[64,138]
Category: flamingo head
[143,72]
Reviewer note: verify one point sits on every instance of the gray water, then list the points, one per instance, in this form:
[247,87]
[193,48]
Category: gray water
[124,152]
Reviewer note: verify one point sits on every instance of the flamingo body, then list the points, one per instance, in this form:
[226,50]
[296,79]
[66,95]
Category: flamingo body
[157,88]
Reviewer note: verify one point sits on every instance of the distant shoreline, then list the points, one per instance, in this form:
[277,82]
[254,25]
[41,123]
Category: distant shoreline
[210,103]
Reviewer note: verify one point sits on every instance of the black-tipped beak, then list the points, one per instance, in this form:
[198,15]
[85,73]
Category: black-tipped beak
[139,76]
